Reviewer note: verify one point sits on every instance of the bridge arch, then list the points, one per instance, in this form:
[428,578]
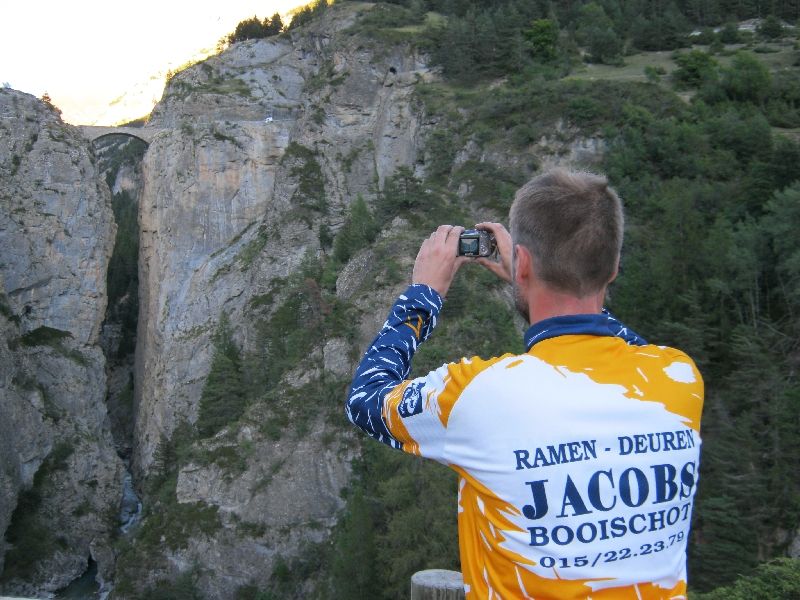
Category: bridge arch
[95,132]
[105,135]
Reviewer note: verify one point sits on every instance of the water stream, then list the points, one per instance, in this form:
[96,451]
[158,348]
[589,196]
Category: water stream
[130,511]
[86,587]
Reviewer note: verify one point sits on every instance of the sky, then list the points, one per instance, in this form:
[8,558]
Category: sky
[103,61]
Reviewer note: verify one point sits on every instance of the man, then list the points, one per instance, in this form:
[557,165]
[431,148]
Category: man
[578,460]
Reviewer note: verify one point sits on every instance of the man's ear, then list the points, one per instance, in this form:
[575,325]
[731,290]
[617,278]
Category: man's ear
[616,270]
[523,265]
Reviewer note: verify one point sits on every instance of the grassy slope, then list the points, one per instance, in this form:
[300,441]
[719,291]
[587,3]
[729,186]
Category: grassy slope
[633,69]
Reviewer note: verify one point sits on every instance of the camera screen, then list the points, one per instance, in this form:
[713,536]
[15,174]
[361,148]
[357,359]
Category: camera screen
[469,246]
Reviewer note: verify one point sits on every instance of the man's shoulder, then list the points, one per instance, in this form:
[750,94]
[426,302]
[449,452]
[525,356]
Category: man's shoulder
[592,355]
[468,368]
[463,372]
[471,366]
[670,352]
[671,356]
[589,355]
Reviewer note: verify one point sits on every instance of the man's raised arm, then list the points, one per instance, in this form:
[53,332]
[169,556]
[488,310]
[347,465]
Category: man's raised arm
[387,361]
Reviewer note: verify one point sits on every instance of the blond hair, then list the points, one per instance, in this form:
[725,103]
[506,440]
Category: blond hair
[571,222]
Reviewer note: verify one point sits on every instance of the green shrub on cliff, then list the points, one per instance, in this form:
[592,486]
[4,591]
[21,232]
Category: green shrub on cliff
[31,541]
[52,338]
[224,396]
[358,231]
[253,29]
[309,195]
[308,13]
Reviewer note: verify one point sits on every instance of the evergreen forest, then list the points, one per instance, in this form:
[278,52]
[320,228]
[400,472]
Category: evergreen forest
[706,155]
[698,118]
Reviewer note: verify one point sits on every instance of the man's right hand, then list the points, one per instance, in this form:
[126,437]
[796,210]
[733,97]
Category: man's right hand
[438,260]
[501,268]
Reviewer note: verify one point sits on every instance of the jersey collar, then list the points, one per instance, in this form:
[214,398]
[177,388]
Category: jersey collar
[592,324]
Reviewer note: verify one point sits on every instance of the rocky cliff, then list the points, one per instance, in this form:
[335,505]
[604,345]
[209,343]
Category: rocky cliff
[60,479]
[119,158]
[262,235]
[232,203]
[254,300]
[235,207]
[280,207]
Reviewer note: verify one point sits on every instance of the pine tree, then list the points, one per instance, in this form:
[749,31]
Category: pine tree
[730,34]
[747,79]
[511,48]
[224,395]
[543,39]
[454,51]
[353,570]
[401,192]
[359,229]
[49,103]
[596,32]
[275,25]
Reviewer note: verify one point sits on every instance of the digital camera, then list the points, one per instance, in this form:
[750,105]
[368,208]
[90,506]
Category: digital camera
[476,242]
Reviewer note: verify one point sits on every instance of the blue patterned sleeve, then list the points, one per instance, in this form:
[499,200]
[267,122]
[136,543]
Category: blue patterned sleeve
[387,361]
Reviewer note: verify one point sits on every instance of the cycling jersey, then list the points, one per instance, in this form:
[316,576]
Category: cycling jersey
[577,460]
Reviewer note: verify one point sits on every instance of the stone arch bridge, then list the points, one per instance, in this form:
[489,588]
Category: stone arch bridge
[95,132]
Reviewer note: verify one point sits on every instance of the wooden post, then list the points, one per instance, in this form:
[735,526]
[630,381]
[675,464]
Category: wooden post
[437,584]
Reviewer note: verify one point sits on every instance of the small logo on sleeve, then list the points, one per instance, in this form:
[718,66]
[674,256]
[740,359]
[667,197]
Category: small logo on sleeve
[417,329]
[412,400]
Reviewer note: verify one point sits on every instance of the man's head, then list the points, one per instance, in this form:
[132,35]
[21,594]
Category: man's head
[571,225]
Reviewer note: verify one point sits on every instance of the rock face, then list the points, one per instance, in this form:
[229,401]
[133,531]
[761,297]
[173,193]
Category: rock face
[232,202]
[119,158]
[244,196]
[59,475]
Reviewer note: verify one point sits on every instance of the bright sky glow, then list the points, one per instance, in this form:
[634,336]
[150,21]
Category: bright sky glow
[103,62]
